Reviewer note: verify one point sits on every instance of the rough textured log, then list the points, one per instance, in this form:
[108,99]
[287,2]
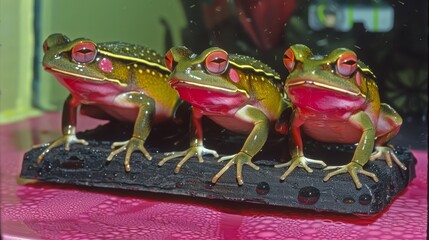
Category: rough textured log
[87,165]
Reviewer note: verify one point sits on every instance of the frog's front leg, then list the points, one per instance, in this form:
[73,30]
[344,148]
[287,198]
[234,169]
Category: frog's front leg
[196,146]
[388,125]
[298,158]
[362,152]
[69,120]
[254,142]
[142,127]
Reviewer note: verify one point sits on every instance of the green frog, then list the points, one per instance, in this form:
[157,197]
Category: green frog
[237,92]
[109,80]
[336,99]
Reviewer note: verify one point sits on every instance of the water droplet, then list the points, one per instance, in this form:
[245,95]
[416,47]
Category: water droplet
[48,167]
[179,185]
[348,200]
[391,190]
[262,188]
[365,199]
[350,147]
[73,163]
[308,195]
[208,185]
[399,150]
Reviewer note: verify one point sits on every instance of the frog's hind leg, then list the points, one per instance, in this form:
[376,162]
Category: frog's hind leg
[389,123]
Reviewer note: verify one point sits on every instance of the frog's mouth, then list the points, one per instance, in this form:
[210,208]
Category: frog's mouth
[57,71]
[209,98]
[310,83]
[321,97]
[176,83]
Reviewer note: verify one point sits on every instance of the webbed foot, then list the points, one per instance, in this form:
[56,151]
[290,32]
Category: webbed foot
[190,152]
[239,159]
[386,153]
[130,146]
[298,161]
[67,139]
[353,169]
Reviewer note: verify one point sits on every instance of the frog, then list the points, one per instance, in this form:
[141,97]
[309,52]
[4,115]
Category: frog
[110,80]
[335,99]
[237,92]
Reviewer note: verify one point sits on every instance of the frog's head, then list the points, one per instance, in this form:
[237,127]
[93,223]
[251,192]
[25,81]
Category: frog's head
[78,59]
[81,67]
[207,81]
[325,82]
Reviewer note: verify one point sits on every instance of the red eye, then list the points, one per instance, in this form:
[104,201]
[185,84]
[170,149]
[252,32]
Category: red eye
[169,61]
[45,46]
[84,52]
[347,64]
[289,60]
[217,62]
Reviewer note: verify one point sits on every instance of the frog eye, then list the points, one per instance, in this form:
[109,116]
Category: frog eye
[217,62]
[84,52]
[289,59]
[347,64]
[55,39]
[45,46]
[169,60]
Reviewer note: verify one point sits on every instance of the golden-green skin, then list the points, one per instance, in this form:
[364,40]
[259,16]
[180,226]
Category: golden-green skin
[245,98]
[334,107]
[124,81]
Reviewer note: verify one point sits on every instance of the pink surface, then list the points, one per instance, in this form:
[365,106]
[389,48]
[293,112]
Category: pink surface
[53,211]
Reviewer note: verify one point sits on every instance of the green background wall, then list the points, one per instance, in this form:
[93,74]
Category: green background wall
[133,21]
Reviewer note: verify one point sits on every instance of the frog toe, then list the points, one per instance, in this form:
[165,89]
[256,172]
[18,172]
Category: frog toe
[387,153]
[184,160]
[341,170]
[226,158]
[171,155]
[41,156]
[222,171]
[115,152]
[130,146]
[187,154]
[239,160]
[74,140]
[118,144]
[46,151]
[353,169]
[288,172]
[322,163]
[300,161]
[67,140]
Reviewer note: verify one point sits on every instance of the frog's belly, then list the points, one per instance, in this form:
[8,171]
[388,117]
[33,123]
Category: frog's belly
[109,112]
[231,123]
[334,131]
[124,114]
